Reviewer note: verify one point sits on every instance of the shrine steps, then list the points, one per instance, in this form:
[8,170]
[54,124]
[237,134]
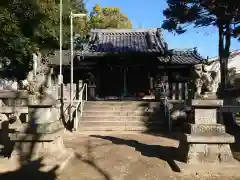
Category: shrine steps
[123,116]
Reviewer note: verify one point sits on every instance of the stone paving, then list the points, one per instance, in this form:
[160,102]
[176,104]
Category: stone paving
[125,157]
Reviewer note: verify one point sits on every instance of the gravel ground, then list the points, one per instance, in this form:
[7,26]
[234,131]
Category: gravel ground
[117,157]
[126,157]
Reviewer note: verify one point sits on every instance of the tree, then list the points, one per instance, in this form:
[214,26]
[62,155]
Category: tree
[80,24]
[108,17]
[224,14]
[29,24]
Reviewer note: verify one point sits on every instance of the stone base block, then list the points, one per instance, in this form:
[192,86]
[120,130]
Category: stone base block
[204,169]
[210,138]
[213,103]
[204,128]
[210,153]
[48,149]
[39,144]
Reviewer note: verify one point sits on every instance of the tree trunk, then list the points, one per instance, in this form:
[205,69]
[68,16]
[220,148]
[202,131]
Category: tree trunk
[220,53]
[224,53]
[227,51]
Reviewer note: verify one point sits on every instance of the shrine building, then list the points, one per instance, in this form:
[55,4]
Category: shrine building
[126,63]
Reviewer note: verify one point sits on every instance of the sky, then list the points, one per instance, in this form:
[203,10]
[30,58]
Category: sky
[148,14]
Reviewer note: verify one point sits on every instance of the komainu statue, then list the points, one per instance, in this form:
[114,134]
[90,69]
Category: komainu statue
[202,81]
[39,79]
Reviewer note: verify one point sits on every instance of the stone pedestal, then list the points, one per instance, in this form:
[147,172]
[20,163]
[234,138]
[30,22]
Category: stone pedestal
[48,147]
[40,138]
[208,143]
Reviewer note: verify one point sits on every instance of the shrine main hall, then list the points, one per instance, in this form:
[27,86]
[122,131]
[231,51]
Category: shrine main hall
[127,62]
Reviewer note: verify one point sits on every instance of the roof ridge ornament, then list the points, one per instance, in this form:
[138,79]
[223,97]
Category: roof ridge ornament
[159,33]
[150,40]
[195,50]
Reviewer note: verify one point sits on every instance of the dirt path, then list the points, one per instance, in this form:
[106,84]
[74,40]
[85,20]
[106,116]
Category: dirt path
[125,157]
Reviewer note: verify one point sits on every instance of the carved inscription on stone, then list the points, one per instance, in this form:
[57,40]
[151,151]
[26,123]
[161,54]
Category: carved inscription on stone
[205,116]
[202,128]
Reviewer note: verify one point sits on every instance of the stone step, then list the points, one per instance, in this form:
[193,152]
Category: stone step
[121,113]
[122,118]
[116,108]
[111,105]
[121,104]
[120,123]
[120,128]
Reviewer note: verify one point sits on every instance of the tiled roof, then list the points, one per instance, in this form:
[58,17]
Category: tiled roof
[126,40]
[182,57]
[55,58]
[178,57]
[114,41]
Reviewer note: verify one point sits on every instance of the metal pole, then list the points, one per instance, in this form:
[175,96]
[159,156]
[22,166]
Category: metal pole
[60,41]
[71,41]
[71,86]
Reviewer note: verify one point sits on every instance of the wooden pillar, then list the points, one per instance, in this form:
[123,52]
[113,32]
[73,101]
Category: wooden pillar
[98,82]
[186,90]
[180,91]
[151,84]
[173,91]
[124,81]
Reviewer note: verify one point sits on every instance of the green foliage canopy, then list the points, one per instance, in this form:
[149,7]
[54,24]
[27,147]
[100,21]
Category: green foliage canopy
[108,17]
[29,24]
[224,14]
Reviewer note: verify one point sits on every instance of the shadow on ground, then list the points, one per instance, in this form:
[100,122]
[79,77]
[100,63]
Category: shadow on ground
[91,162]
[168,154]
[30,171]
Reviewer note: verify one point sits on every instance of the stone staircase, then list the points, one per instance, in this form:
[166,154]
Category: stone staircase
[122,116]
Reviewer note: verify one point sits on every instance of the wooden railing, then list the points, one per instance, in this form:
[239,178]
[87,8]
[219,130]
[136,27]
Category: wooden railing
[66,91]
[177,91]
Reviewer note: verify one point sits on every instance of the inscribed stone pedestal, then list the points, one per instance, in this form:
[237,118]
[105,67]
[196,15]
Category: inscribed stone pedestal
[205,116]
[208,143]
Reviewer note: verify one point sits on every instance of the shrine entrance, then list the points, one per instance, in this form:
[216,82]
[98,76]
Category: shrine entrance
[137,80]
[111,81]
[122,81]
